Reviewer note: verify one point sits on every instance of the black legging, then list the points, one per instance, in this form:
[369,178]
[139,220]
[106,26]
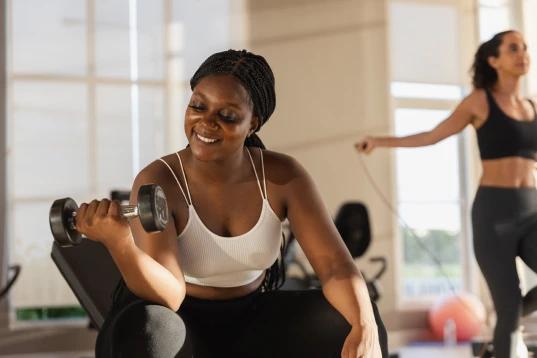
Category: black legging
[273,324]
[504,224]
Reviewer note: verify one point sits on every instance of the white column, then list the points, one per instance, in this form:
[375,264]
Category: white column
[3,197]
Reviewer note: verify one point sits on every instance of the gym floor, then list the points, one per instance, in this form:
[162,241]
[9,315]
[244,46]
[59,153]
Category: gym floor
[407,352]
[427,351]
[76,341]
[52,355]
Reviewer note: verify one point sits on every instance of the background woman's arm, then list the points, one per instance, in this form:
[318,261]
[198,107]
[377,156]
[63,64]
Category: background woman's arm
[463,115]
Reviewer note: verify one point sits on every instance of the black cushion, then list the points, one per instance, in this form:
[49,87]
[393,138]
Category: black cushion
[92,275]
[352,222]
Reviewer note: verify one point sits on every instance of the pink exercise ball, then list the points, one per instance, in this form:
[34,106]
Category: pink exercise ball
[466,311]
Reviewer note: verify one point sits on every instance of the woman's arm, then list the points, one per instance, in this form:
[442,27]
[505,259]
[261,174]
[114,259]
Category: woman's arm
[148,265]
[342,284]
[455,123]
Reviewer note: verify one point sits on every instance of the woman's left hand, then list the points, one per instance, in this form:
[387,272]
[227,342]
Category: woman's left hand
[362,342]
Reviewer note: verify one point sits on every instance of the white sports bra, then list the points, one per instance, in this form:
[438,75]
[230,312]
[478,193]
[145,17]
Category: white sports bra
[208,259]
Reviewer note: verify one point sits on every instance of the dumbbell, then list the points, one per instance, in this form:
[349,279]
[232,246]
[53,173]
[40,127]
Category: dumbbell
[152,209]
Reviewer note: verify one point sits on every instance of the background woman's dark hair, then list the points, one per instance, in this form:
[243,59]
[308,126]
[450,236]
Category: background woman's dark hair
[256,76]
[484,75]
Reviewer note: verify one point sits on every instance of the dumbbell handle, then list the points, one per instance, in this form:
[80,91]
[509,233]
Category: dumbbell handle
[127,211]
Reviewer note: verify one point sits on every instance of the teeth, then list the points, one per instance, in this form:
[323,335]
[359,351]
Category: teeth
[204,139]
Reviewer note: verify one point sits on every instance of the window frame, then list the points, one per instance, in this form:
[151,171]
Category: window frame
[170,85]
[468,269]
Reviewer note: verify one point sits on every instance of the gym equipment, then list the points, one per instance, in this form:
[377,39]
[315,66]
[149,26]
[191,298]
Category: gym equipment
[122,196]
[466,311]
[15,269]
[352,223]
[91,274]
[152,209]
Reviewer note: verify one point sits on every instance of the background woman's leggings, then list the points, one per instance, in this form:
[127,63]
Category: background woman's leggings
[276,324]
[505,226]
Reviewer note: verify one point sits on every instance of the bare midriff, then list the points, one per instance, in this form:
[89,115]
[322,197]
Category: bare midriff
[222,293]
[509,172]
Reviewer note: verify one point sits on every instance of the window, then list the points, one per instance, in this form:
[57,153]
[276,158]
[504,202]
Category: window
[430,188]
[96,91]
[429,203]
[494,16]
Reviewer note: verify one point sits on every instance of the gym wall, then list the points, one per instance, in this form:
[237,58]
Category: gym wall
[331,71]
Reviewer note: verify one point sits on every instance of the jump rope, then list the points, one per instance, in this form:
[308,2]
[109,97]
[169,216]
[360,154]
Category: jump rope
[432,256]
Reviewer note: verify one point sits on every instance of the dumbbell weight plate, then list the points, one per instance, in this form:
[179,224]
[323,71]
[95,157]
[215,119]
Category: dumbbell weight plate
[62,224]
[152,208]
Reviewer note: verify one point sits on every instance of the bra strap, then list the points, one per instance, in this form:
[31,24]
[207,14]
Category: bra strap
[184,177]
[255,172]
[177,180]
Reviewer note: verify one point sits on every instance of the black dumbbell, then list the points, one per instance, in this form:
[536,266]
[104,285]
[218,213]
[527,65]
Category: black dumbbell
[152,209]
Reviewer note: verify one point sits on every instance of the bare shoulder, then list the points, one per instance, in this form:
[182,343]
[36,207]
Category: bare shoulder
[476,105]
[154,171]
[161,171]
[477,97]
[281,168]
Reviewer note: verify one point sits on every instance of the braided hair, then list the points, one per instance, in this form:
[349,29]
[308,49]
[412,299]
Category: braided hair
[484,75]
[256,76]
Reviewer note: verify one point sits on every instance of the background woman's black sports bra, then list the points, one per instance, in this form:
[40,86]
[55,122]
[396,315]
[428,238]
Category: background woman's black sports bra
[502,136]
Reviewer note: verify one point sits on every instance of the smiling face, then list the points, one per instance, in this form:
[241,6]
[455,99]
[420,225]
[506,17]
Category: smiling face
[219,117]
[513,58]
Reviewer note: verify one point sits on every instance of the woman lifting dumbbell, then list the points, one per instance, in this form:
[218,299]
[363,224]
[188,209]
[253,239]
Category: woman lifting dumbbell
[504,211]
[207,285]
[151,209]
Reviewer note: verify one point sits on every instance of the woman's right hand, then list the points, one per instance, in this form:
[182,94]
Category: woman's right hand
[366,145]
[102,221]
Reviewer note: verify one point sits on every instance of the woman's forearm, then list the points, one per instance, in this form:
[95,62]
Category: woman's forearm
[414,140]
[347,292]
[145,277]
